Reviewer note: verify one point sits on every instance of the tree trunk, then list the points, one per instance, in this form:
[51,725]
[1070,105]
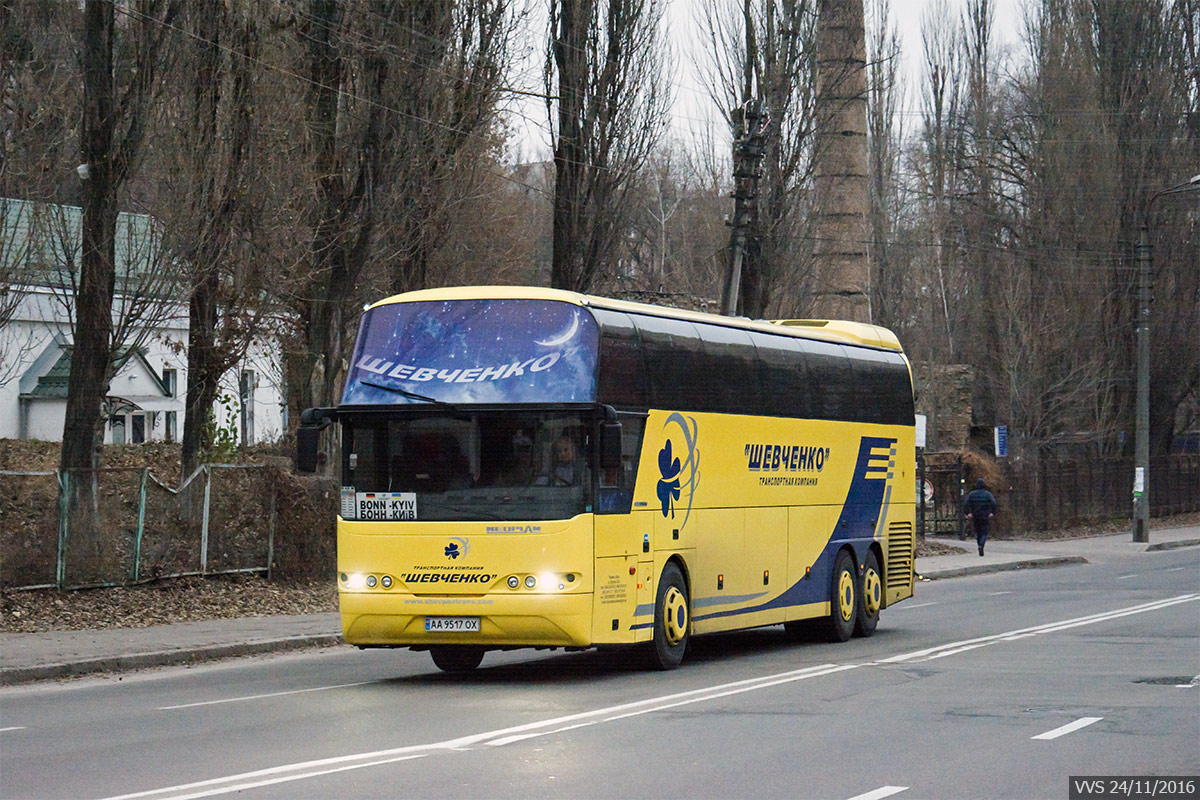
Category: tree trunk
[90,356]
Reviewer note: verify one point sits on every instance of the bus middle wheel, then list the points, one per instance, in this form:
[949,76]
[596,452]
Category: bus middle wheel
[671,620]
[843,603]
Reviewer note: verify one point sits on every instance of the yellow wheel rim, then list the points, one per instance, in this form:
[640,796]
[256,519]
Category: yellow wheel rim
[872,592]
[846,595]
[675,616]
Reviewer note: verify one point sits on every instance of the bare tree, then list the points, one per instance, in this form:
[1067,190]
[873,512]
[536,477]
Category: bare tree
[213,189]
[765,53]
[890,281]
[608,59]
[114,121]
[397,97]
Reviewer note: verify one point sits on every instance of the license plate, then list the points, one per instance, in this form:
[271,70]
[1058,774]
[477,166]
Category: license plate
[452,624]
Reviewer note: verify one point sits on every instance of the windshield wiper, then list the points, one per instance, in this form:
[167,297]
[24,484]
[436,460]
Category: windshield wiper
[411,395]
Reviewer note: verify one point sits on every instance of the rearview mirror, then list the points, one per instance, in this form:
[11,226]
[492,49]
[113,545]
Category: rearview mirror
[610,444]
[307,441]
[308,436]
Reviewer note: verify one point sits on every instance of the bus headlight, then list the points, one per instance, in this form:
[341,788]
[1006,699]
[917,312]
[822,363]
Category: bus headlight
[356,582]
[513,581]
[530,581]
[371,581]
[386,581]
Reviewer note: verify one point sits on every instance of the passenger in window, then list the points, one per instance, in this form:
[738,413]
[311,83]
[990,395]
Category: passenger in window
[564,469]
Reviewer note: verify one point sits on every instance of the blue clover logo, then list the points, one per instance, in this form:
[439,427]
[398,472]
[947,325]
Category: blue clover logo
[458,547]
[668,487]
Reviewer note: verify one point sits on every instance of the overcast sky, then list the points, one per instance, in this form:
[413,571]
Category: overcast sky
[692,107]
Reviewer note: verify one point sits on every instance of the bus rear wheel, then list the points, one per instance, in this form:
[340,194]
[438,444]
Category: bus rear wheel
[456,657]
[870,597]
[844,602]
[671,620]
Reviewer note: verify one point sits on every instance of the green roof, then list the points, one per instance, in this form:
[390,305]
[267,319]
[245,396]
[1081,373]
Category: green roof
[53,385]
[40,243]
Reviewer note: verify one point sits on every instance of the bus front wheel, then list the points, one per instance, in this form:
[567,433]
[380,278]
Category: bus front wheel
[843,605]
[671,620]
[456,657]
[870,597]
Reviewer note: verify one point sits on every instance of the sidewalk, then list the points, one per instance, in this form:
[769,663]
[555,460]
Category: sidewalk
[26,657]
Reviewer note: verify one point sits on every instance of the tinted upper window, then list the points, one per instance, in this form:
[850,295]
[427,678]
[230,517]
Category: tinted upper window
[730,363]
[621,380]
[673,368]
[785,384]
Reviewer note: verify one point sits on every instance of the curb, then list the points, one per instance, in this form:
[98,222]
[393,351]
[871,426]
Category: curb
[1154,548]
[162,658]
[1008,566]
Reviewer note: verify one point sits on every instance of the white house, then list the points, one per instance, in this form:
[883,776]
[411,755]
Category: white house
[145,400]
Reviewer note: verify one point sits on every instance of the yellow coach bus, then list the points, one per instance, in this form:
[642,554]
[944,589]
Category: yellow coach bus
[528,467]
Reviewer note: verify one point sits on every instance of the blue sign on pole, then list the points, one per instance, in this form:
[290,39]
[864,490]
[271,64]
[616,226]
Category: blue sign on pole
[1001,439]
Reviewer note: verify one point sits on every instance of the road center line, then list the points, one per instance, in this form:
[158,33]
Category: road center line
[1126,577]
[997,594]
[324,766]
[880,793]
[1070,727]
[13,728]
[910,607]
[264,696]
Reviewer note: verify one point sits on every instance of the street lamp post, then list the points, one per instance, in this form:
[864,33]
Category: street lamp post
[1144,255]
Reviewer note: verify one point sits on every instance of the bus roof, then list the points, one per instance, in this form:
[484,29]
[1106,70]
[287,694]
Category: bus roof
[839,331]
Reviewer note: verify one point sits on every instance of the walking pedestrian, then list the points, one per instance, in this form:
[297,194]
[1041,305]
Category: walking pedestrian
[980,508]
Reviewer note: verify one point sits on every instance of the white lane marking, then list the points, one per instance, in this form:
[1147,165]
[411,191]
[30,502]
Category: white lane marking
[1051,627]
[305,769]
[263,696]
[1193,683]
[287,778]
[997,594]
[1176,569]
[13,728]
[914,605]
[1127,577]
[880,793]
[297,771]
[1070,727]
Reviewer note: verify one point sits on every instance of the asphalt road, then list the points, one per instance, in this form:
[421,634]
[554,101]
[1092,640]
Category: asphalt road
[995,686]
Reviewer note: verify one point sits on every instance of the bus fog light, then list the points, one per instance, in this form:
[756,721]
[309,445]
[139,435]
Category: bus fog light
[370,581]
[513,581]
[530,581]
[386,581]
[356,581]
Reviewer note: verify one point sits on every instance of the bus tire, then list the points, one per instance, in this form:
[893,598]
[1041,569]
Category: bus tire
[870,597]
[672,620]
[456,657]
[843,600]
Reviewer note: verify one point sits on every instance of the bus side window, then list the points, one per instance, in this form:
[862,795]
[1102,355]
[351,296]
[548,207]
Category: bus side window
[616,486]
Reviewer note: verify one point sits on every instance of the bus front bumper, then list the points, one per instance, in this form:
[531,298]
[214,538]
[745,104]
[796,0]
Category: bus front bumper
[534,620]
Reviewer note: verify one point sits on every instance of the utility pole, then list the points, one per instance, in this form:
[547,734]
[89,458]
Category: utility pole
[747,155]
[747,159]
[1141,470]
[1144,255]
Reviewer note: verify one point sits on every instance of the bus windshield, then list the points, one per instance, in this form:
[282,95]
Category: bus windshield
[439,466]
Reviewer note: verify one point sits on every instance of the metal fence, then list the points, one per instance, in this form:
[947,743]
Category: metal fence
[134,528]
[1054,494]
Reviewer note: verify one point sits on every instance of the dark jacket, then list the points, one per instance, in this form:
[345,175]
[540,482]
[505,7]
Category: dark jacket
[980,503]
